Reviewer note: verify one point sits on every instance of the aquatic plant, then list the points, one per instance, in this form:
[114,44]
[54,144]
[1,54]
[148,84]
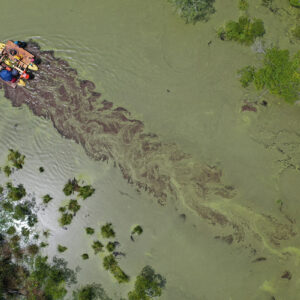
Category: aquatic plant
[7,206]
[11,230]
[86,191]
[137,230]
[73,206]
[243,5]
[43,245]
[16,158]
[89,230]
[62,209]
[25,232]
[33,249]
[1,189]
[194,10]
[21,211]
[46,233]
[111,246]
[147,285]
[32,220]
[245,31]
[7,171]
[70,187]
[65,219]
[280,74]
[97,246]
[110,263]
[85,256]
[47,198]
[295,3]
[15,193]
[61,248]
[107,231]
[41,169]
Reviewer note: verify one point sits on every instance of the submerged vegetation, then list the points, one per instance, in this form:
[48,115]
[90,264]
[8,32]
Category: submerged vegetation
[97,246]
[90,292]
[15,193]
[89,230]
[280,74]
[61,248]
[137,230]
[194,10]
[244,31]
[47,198]
[148,285]
[16,158]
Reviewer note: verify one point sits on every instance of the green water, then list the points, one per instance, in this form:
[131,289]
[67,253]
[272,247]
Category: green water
[143,57]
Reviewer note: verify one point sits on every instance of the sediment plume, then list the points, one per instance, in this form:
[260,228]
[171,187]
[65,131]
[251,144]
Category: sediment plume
[108,132]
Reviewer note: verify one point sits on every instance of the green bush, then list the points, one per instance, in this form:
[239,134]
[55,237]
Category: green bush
[85,256]
[107,231]
[73,206]
[137,230]
[41,169]
[7,206]
[21,211]
[7,170]
[90,292]
[243,5]
[110,263]
[244,31]
[11,230]
[15,193]
[70,187]
[194,10]
[111,246]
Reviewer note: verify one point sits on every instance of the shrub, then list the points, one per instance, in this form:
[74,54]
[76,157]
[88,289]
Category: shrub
[25,232]
[73,206]
[89,230]
[90,292]
[243,4]
[194,10]
[70,187]
[295,3]
[110,263]
[97,246]
[110,246]
[137,229]
[21,211]
[296,32]
[33,249]
[15,193]
[47,198]
[86,191]
[66,219]
[61,248]
[85,256]
[107,231]
[7,206]
[244,31]
[16,158]
[11,230]
[7,170]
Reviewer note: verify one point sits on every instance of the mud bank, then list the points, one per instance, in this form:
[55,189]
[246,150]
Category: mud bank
[110,133]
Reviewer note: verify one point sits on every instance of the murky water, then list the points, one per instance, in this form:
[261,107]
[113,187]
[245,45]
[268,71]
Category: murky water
[143,57]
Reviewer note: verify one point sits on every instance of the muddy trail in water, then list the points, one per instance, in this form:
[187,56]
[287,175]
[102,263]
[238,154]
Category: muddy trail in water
[162,169]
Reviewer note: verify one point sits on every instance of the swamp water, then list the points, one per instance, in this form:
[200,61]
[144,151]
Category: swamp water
[144,58]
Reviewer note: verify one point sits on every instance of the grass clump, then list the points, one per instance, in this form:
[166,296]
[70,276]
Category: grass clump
[296,32]
[7,206]
[84,256]
[25,232]
[33,249]
[21,211]
[65,219]
[73,206]
[16,158]
[246,75]
[245,31]
[193,11]
[97,246]
[86,191]
[148,285]
[110,264]
[90,292]
[61,248]
[280,74]
[47,198]
[89,230]
[15,193]
[107,231]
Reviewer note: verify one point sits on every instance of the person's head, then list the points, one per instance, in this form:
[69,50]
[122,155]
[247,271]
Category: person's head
[12,52]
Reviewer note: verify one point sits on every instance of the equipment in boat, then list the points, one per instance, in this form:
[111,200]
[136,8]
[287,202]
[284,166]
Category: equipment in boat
[15,61]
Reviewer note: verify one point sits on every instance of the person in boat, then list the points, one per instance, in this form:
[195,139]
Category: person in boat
[7,75]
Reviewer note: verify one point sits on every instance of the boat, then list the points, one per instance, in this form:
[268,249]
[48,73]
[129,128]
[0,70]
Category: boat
[15,62]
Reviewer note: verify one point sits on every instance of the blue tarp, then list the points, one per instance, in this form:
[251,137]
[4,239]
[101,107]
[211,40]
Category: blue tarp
[6,75]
